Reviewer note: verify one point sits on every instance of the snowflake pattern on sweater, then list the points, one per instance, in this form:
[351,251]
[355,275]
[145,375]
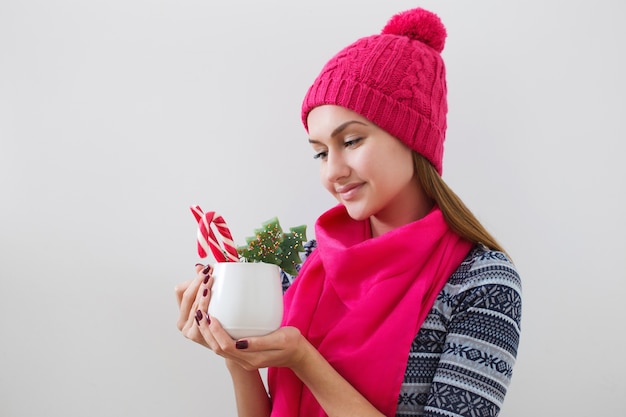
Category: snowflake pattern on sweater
[461,361]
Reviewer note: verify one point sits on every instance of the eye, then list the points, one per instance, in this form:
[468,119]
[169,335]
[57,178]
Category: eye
[320,155]
[352,142]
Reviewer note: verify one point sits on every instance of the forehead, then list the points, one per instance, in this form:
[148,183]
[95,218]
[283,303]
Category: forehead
[322,120]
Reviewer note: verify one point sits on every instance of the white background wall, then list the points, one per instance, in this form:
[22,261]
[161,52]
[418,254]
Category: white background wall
[115,116]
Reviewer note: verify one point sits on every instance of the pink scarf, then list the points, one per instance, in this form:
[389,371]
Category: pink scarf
[360,301]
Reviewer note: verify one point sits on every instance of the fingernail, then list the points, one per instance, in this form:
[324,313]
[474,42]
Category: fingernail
[206,270]
[197,321]
[205,292]
[206,279]
[208,320]
[199,316]
[197,265]
[241,344]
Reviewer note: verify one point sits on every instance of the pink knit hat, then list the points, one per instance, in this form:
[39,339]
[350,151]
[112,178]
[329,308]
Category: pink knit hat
[395,79]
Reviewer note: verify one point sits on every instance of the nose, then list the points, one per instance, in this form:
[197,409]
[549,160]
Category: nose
[336,167]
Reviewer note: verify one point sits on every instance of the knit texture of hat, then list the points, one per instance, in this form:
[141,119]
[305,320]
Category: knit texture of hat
[395,79]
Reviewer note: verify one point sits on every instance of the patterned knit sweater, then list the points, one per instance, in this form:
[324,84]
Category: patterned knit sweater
[461,361]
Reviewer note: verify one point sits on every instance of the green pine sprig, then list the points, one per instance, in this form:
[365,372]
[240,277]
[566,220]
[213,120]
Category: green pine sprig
[271,245]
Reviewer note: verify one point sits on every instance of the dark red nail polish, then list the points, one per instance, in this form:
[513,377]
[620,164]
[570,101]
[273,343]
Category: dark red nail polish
[207,279]
[241,344]
[208,320]
[205,292]
[199,315]
[197,321]
[206,270]
[197,265]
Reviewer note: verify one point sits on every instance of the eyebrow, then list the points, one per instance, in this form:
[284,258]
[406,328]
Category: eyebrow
[340,129]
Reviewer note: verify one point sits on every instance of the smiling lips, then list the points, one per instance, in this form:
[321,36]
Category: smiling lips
[348,191]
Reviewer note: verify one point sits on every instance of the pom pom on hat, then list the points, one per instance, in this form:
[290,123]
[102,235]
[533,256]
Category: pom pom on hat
[395,79]
[420,25]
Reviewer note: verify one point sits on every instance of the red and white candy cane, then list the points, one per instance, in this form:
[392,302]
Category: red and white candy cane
[207,240]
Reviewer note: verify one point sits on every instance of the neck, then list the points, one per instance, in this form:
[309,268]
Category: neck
[402,213]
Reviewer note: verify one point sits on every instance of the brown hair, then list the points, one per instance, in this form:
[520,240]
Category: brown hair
[455,212]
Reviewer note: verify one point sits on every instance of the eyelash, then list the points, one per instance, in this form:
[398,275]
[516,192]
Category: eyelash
[346,144]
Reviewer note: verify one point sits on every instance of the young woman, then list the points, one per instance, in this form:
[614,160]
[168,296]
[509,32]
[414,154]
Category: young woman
[405,304]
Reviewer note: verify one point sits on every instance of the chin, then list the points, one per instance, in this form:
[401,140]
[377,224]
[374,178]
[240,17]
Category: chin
[357,213]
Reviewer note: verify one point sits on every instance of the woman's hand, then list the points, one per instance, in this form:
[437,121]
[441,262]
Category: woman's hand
[283,347]
[193,298]
[188,296]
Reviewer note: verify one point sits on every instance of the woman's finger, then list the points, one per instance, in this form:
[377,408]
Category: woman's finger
[224,345]
[191,328]
[180,289]
[279,348]
[202,316]
[186,293]
[192,331]
[203,298]
[202,291]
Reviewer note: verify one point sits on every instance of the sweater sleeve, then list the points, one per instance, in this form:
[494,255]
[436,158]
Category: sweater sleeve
[480,346]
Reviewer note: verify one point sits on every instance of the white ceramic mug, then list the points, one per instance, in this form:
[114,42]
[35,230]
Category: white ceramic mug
[247,298]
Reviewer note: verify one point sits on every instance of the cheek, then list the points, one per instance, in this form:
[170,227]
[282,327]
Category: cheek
[395,167]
